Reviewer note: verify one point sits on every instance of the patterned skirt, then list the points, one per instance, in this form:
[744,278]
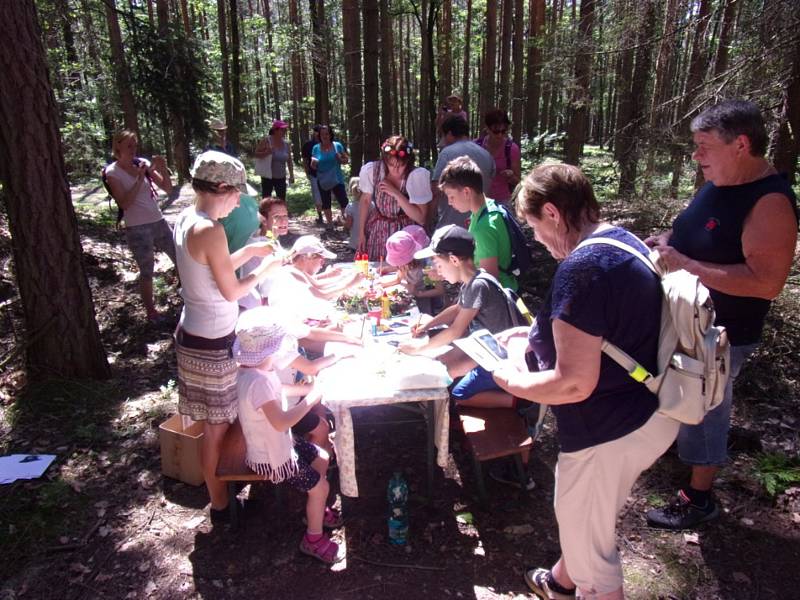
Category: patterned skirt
[206,378]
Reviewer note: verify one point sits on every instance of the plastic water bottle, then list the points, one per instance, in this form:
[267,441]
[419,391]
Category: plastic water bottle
[397,495]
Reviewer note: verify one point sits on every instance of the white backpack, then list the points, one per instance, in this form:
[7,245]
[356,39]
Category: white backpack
[693,353]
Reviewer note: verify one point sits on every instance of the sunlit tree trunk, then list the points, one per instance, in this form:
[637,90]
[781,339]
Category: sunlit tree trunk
[351,22]
[222,28]
[372,130]
[386,54]
[487,83]
[235,125]
[534,74]
[467,66]
[580,100]
[319,61]
[505,53]
[122,77]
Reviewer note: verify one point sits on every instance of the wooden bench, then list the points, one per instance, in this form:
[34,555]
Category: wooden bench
[495,433]
[232,467]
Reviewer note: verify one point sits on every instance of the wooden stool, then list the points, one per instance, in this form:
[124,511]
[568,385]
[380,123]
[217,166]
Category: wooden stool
[233,468]
[495,433]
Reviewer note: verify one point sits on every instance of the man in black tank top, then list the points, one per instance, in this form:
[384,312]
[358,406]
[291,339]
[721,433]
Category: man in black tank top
[738,236]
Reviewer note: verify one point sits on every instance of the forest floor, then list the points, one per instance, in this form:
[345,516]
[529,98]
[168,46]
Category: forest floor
[103,523]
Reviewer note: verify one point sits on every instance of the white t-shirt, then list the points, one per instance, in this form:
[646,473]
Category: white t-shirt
[418,184]
[144,209]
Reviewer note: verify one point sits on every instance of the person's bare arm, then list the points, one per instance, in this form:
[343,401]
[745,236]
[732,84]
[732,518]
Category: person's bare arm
[208,246]
[662,239]
[457,329]
[769,237]
[491,265]
[283,420]
[572,380]
[242,255]
[313,367]
[363,213]
[415,212]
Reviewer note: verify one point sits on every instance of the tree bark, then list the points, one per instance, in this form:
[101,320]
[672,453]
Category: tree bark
[624,77]
[467,44]
[519,70]
[319,61]
[235,124]
[505,53]
[487,83]
[581,97]
[693,81]
[297,78]
[122,77]
[62,334]
[386,54]
[351,23]
[630,138]
[787,143]
[726,31]
[372,129]
[276,92]
[534,75]
[222,28]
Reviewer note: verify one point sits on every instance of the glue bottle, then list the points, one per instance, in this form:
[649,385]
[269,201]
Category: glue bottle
[397,495]
[386,307]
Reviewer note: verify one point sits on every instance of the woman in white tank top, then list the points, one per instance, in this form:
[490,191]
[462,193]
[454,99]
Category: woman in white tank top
[210,290]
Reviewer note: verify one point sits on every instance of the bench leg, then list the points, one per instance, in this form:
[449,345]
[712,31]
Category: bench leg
[482,496]
[522,474]
[429,417]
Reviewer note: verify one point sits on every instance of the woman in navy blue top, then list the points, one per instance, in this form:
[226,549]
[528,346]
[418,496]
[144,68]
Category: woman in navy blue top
[608,427]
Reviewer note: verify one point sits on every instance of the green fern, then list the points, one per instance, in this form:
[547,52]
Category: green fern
[776,472]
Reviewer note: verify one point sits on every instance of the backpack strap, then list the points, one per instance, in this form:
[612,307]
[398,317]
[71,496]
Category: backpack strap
[503,213]
[511,304]
[617,354]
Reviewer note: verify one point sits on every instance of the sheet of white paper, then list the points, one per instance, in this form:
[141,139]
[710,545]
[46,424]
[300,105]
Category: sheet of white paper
[23,466]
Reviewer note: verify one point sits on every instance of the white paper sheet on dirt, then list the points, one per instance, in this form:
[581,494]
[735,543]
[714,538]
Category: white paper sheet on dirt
[23,466]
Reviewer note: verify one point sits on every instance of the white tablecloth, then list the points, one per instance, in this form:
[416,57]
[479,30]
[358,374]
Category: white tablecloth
[379,376]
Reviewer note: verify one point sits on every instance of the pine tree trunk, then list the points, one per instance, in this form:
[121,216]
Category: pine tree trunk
[319,61]
[445,52]
[122,77]
[297,80]
[187,27]
[630,138]
[487,83]
[693,81]
[581,100]
[726,31]
[664,71]
[351,23]
[519,70]
[222,28]
[624,77]
[372,130]
[62,337]
[467,44]
[427,93]
[533,80]
[276,92]
[787,143]
[235,124]
[386,53]
[505,53]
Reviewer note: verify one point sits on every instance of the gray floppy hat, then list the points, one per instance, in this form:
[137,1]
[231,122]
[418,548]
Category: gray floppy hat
[218,167]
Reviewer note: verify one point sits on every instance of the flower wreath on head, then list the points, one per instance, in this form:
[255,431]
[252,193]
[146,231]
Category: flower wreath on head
[406,150]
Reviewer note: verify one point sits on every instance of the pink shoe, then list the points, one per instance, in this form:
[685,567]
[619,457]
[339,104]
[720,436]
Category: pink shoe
[323,549]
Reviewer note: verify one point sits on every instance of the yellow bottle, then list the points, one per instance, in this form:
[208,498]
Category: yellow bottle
[386,307]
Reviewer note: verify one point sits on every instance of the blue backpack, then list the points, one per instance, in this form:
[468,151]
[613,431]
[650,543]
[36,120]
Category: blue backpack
[521,259]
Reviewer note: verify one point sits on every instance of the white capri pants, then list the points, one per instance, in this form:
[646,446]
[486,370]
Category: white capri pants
[592,485]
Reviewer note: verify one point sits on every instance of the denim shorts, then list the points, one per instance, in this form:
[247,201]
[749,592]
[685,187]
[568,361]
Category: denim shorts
[476,381]
[706,444]
[144,240]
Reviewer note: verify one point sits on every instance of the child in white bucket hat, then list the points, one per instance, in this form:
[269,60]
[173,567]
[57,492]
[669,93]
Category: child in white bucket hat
[272,451]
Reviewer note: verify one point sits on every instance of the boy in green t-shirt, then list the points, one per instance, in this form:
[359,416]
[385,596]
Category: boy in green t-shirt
[462,182]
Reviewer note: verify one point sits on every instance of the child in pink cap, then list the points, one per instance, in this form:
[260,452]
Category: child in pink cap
[419,235]
[400,249]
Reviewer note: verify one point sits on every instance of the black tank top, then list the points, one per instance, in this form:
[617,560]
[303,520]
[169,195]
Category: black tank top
[710,230]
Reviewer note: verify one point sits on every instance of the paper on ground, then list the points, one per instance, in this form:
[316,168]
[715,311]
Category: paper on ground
[23,466]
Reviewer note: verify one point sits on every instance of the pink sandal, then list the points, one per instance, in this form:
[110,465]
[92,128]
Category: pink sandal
[323,549]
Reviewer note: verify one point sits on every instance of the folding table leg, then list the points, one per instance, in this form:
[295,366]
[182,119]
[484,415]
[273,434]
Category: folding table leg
[431,426]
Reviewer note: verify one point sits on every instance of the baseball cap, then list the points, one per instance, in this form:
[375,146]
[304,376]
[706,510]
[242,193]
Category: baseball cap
[278,124]
[450,239]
